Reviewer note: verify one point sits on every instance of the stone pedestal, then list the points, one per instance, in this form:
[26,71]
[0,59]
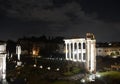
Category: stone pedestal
[4,81]
[19,63]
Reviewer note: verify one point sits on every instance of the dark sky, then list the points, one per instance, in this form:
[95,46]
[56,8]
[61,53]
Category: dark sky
[67,18]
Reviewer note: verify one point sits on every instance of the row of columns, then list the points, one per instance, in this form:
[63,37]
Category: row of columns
[75,52]
[86,52]
[82,51]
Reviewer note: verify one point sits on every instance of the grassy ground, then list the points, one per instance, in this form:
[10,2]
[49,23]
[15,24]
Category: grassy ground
[111,74]
[74,71]
[110,77]
[63,82]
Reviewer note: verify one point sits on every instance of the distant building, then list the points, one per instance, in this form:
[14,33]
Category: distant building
[108,49]
[82,50]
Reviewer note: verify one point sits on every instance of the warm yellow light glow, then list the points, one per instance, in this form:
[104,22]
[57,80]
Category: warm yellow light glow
[34,52]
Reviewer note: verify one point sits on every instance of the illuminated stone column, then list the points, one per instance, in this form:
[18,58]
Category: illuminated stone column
[70,51]
[66,50]
[81,51]
[3,66]
[3,63]
[91,55]
[18,51]
[87,55]
[73,54]
[77,51]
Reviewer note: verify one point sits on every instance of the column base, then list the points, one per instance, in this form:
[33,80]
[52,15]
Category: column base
[4,81]
[19,63]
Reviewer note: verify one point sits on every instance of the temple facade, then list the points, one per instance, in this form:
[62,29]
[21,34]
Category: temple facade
[82,50]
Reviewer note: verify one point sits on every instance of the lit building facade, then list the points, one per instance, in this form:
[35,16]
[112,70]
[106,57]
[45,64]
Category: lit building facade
[108,49]
[82,50]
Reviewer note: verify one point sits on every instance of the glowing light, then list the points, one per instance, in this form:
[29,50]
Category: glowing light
[16,66]
[114,56]
[110,44]
[83,80]
[34,52]
[41,66]
[19,63]
[34,65]
[98,75]
[92,77]
[57,69]
[48,68]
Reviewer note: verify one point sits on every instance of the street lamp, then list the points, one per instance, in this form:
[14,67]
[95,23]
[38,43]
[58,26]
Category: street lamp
[34,55]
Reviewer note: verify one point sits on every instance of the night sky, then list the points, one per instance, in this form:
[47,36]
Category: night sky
[66,18]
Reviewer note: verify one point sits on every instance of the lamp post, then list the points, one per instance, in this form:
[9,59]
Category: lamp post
[34,55]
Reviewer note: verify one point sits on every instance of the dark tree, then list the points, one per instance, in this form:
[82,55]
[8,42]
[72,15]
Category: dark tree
[11,46]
